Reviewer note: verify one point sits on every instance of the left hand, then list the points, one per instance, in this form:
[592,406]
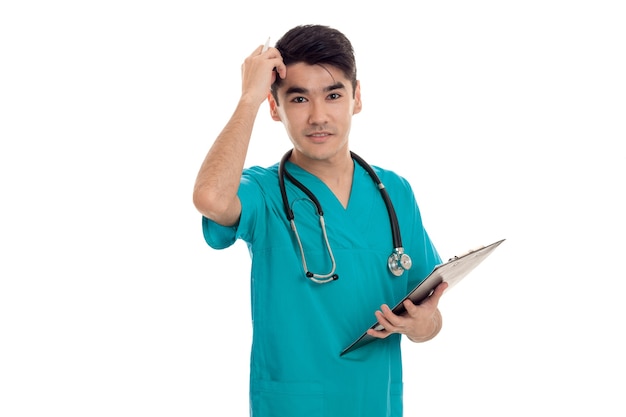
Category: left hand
[419,322]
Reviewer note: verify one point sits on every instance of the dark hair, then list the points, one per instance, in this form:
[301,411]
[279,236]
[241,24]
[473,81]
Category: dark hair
[314,45]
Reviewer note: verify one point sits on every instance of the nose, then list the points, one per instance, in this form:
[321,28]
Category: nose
[317,114]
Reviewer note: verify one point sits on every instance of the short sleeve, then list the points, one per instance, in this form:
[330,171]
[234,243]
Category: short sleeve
[252,207]
[218,236]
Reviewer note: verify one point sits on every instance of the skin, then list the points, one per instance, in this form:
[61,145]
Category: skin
[316,108]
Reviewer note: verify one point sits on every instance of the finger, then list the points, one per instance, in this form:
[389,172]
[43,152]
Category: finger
[379,334]
[410,308]
[439,290]
[277,60]
[392,320]
[274,56]
[257,50]
[281,69]
[383,329]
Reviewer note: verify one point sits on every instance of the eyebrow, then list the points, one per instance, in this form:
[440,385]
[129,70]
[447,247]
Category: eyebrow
[302,90]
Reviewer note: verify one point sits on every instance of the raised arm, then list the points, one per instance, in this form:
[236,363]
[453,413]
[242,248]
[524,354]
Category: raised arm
[215,190]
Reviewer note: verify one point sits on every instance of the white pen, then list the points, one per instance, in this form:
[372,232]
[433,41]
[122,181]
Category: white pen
[266,46]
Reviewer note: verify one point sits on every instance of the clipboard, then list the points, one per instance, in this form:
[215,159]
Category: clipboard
[451,272]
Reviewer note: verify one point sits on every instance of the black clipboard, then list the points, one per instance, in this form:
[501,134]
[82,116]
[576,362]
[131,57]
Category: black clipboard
[451,272]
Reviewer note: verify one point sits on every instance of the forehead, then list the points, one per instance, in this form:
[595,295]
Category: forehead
[312,77]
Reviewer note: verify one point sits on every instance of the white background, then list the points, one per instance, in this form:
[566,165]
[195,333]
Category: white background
[507,117]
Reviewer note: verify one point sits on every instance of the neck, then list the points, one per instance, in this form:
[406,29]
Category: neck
[332,169]
[336,172]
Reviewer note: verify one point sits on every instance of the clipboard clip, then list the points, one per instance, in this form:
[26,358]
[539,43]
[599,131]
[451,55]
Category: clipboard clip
[477,248]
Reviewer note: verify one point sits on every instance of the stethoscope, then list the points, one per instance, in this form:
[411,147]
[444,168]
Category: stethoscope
[398,261]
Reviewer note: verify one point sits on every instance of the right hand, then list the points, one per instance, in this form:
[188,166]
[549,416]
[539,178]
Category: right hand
[259,71]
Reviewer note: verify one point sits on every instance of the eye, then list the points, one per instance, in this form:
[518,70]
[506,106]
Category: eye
[298,100]
[334,96]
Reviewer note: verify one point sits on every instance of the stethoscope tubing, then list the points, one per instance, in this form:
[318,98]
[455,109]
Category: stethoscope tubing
[398,261]
[393,218]
[282,173]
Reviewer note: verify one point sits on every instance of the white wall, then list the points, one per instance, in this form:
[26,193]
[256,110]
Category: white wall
[507,117]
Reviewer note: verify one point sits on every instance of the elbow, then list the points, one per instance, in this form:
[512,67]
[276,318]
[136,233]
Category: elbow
[212,205]
[206,203]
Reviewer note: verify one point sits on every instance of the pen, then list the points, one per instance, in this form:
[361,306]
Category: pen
[266,46]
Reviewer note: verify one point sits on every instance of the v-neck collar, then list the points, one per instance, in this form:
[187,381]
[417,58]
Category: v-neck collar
[319,187]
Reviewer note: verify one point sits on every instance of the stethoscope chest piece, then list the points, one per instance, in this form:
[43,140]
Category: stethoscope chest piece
[398,262]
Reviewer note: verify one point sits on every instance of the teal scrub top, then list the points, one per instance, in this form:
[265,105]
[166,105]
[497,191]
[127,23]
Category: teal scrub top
[300,327]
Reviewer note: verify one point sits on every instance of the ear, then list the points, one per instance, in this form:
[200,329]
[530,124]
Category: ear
[358,104]
[273,107]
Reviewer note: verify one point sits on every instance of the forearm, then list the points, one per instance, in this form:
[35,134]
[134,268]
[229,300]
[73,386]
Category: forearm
[430,331]
[215,190]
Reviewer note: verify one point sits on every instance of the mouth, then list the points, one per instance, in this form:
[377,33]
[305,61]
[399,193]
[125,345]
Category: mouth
[319,136]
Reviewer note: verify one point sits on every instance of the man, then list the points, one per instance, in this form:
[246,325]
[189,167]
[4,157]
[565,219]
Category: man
[316,288]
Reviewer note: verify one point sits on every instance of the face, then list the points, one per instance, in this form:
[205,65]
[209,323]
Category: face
[316,108]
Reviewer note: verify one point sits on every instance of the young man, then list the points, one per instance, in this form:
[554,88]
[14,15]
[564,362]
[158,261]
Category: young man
[319,271]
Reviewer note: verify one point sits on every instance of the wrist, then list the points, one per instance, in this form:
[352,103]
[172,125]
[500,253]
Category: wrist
[436,324]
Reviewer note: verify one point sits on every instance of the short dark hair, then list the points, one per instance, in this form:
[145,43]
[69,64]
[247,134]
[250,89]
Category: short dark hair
[315,45]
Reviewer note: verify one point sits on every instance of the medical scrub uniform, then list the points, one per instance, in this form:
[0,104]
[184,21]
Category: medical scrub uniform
[301,327]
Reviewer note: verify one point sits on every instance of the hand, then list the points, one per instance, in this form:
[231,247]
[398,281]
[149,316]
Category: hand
[419,322]
[259,71]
